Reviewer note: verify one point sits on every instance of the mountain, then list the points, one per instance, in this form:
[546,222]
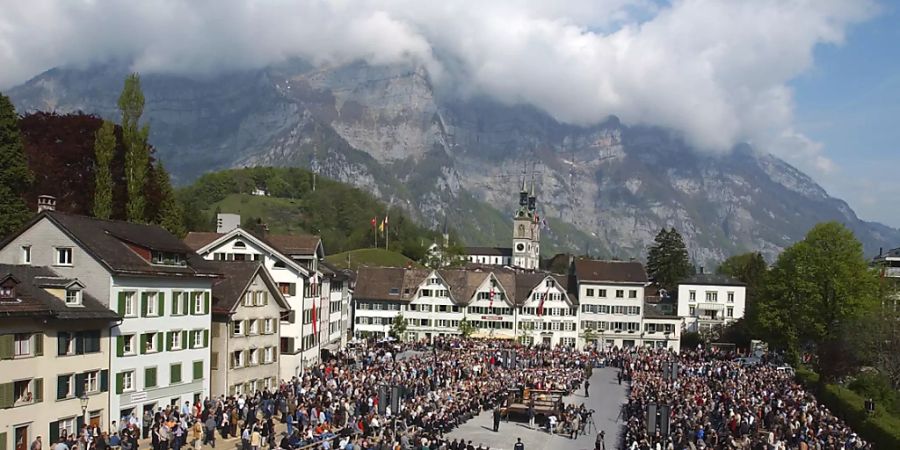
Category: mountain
[440,155]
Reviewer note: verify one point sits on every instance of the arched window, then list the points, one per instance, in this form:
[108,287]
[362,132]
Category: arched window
[240,244]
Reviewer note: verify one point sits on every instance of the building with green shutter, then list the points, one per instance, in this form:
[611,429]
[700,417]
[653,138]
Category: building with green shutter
[158,285]
[54,353]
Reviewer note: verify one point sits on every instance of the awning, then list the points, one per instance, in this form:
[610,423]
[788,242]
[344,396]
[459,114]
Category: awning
[492,335]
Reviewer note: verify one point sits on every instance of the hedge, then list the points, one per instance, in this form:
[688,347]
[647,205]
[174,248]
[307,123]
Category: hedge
[881,429]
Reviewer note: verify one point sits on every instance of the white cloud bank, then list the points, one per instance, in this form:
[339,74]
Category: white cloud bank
[717,70]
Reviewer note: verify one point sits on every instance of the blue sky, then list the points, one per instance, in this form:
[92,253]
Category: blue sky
[850,102]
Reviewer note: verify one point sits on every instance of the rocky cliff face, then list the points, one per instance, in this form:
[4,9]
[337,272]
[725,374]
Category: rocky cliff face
[605,189]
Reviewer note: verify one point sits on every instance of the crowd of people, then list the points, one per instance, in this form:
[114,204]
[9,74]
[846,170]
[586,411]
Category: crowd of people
[336,404]
[717,402]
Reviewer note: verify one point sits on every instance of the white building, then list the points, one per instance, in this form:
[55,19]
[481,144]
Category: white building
[489,256]
[159,352]
[707,301]
[293,261]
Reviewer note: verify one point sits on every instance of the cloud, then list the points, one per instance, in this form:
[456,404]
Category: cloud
[717,70]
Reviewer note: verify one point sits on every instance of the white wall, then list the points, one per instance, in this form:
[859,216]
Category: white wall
[695,321]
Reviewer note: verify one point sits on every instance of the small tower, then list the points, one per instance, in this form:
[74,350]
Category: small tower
[526,230]
[46,203]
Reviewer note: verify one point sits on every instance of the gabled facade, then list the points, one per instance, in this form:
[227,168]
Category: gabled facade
[247,311]
[709,301]
[159,351]
[293,262]
[54,349]
[548,314]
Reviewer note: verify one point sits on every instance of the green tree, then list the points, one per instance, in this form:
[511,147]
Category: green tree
[466,328]
[667,259]
[15,176]
[104,149]
[137,153]
[171,213]
[398,327]
[751,269]
[816,291]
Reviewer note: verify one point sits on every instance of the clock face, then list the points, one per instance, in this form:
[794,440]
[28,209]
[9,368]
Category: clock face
[520,247]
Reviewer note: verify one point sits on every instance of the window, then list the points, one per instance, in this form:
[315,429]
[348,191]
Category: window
[63,256]
[92,381]
[632,293]
[287,288]
[601,293]
[692,311]
[151,302]
[692,295]
[269,356]
[198,303]
[176,340]
[730,312]
[150,343]
[23,392]
[620,293]
[67,426]
[178,303]
[730,297]
[248,298]
[128,303]
[65,344]
[238,327]
[73,297]
[254,357]
[712,296]
[127,381]
[237,359]
[198,338]
[128,344]
[239,244]
[26,254]
[22,344]
[253,327]
[590,293]
[167,258]
[270,326]
[64,385]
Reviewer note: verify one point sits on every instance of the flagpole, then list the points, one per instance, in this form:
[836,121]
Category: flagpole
[387,233]
[375,231]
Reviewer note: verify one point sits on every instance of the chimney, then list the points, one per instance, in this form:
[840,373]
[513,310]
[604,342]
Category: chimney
[227,222]
[880,251]
[46,203]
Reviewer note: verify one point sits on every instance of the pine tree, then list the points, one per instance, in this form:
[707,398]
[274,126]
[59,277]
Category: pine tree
[137,154]
[170,211]
[667,259]
[104,148]
[15,176]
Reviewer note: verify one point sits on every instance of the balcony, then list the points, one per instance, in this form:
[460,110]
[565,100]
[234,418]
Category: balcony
[893,272]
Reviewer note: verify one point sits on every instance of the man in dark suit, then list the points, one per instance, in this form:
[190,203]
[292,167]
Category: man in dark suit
[496,419]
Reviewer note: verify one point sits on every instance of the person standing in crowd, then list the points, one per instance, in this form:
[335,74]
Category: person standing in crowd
[496,419]
[519,445]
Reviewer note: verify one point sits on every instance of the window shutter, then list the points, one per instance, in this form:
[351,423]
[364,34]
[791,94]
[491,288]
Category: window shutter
[120,345]
[62,387]
[274,326]
[144,299]
[38,344]
[143,343]
[198,370]
[169,340]
[193,304]
[292,289]
[79,422]
[61,339]
[104,380]
[120,382]
[174,302]
[205,338]
[79,384]
[206,302]
[159,338]
[184,338]
[190,340]
[54,434]
[79,343]
[175,373]
[7,346]
[149,377]
[122,298]
[7,395]
[161,298]
[185,303]
[38,390]
[214,360]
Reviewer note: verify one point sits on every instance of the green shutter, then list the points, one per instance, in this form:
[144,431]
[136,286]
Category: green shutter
[120,346]
[160,338]
[161,298]
[206,302]
[104,380]
[174,303]
[122,298]
[175,375]
[38,390]
[62,387]
[149,377]
[54,434]
[198,370]
[79,384]
[143,343]
[205,338]
[38,344]
[144,299]
[7,395]
[184,338]
[7,346]
[169,341]
[186,303]
[192,304]
[190,340]
[120,382]
[274,326]
[61,341]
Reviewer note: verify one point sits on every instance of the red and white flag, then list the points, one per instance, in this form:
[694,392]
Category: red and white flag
[492,297]
[315,319]
[540,308]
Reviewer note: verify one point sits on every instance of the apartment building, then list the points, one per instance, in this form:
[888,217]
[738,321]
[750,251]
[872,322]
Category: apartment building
[707,301]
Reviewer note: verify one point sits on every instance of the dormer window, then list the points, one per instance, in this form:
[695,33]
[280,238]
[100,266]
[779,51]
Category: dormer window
[167,258]
[7,292]
[73,297]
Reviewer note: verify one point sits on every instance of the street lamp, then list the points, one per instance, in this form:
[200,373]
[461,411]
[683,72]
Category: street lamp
[84,399]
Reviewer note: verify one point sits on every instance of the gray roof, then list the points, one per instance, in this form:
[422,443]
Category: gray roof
[228,291]
[32,300]
[489,251]
[610,271]
[713,279]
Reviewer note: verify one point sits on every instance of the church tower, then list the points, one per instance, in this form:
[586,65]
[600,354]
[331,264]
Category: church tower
[526,250]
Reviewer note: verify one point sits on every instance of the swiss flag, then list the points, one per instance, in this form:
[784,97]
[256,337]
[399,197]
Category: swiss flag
[374,222]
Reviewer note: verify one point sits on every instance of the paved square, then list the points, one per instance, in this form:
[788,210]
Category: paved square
[607,397]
